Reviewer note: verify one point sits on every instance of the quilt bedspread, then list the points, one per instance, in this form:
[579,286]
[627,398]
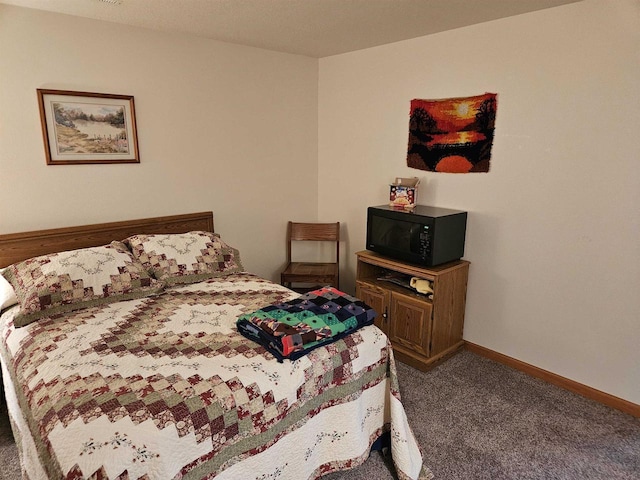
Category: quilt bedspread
[294,328]
[166,388]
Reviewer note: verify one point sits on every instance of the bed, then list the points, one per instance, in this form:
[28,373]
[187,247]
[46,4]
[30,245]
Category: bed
[160,384]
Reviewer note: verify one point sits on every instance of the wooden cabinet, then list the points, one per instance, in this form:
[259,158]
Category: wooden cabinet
[422,330]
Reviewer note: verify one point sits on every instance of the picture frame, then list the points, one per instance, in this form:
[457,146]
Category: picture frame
[88,128]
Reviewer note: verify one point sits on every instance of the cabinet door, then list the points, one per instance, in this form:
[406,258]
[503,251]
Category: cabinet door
[410,323]
[378,299]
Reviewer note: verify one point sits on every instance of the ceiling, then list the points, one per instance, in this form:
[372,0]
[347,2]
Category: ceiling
[316,28]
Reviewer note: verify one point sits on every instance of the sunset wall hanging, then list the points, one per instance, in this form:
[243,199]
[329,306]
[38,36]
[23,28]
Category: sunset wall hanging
[452,135]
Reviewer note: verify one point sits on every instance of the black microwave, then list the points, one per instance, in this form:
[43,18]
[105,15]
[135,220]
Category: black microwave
[426,235]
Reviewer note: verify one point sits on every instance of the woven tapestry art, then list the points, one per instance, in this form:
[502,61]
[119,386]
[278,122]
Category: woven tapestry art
[452,135]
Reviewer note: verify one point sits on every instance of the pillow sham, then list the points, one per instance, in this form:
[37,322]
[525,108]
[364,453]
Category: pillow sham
[7,293]
[185,257]
[62,282]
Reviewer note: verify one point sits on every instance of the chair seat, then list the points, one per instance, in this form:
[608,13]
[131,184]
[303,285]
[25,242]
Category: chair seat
[304,272]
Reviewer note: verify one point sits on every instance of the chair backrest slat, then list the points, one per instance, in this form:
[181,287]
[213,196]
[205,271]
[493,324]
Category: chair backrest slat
[318,232]
[315,231]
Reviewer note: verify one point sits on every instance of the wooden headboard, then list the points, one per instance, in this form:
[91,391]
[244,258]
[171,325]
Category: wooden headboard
[15,247]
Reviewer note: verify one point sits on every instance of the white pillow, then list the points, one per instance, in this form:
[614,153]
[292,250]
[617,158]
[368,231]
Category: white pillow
[7,293]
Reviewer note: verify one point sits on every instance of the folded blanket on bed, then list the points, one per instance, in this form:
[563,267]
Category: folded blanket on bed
[294,328]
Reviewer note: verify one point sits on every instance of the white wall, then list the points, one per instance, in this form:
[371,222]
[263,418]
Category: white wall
[221,127]
[554,229]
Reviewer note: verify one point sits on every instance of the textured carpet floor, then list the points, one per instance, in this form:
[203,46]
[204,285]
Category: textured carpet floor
[476,419]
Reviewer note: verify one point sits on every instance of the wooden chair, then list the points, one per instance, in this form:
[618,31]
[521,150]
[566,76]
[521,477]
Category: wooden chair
[314,273]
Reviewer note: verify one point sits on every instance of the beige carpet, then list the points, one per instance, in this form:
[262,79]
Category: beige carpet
[476,419]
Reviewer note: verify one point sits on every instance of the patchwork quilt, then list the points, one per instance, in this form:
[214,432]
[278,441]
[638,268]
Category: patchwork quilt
[165,387]
[294,328]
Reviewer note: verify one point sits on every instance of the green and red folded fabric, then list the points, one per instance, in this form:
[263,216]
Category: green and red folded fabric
[294,328]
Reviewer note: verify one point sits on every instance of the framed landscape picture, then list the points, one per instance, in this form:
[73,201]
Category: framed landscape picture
[83,127]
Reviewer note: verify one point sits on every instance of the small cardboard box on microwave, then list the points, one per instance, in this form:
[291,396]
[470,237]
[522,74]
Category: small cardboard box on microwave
[403,193]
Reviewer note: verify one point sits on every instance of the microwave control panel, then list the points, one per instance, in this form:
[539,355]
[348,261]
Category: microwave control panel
[425,242]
